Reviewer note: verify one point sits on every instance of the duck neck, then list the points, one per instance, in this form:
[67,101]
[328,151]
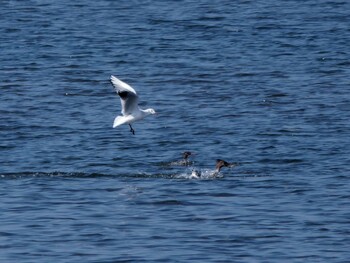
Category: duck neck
[218,168]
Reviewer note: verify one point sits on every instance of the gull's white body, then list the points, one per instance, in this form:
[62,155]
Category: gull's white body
[129,102]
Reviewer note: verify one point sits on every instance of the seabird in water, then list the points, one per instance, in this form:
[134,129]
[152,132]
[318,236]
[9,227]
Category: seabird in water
[185,156]
[219,164]
[185,159]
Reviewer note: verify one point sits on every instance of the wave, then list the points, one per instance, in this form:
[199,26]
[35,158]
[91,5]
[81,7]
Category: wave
[49,174]
[58,174]
[207,174]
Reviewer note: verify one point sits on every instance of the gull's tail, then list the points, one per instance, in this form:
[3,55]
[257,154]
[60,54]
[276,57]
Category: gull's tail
[119,120]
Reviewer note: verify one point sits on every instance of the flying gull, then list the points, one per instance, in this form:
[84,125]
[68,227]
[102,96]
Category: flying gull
[129,101]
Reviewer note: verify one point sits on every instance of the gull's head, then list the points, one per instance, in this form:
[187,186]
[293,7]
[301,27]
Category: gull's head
[150,111]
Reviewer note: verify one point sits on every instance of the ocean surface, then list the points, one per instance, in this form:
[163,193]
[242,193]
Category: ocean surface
[262,84]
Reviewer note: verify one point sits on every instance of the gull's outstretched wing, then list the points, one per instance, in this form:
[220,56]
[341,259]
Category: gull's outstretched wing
[128,96]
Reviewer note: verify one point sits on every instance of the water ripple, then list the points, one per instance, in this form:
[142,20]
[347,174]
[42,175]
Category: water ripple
[259,84]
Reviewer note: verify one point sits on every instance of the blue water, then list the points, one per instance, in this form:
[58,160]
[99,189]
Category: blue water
[263,84]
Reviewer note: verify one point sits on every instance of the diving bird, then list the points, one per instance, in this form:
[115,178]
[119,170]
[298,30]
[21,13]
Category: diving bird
[129,101]
[219,164]
[185,161]
[186,155]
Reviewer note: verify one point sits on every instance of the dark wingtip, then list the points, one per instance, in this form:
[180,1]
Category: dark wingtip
[123,94]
